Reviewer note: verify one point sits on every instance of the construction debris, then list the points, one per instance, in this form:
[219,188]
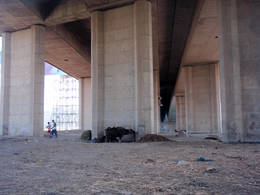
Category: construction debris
[153,138]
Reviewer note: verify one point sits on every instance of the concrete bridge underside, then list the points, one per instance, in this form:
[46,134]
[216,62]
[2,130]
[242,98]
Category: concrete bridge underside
[131,57]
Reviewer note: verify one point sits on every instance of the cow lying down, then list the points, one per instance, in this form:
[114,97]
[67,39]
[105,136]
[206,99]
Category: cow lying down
[119,134]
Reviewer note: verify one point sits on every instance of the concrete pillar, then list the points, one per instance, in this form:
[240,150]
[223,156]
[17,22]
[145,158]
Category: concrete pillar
[122,68]
[239,70]
[85,103]
[180,113]
[22,82]
[156,70]
[157,120]
[143,53]
[201,99]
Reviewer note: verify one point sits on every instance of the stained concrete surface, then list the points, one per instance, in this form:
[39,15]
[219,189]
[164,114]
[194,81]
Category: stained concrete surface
[65,165]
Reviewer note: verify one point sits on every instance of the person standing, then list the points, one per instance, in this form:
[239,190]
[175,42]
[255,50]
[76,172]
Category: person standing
[54,129]
[49,128]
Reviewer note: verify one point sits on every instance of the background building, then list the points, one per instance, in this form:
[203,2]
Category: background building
[61,99]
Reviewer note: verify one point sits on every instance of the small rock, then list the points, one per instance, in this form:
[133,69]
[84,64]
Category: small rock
[211,170]
[182,163]
[149,161]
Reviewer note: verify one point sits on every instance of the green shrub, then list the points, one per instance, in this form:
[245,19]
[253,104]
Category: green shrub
[86,135]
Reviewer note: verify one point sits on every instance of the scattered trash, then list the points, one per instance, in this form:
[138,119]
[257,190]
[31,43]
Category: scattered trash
[95,191]
[211,137]
[236,157]
[182,163]
[149,161]
[153,138]
[115,134]
[86,135]
[211,170]
[128,138]
[99,140]
[197,183]
[201,159]
[180,133]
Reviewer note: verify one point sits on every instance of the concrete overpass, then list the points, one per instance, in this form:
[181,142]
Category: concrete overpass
[130,54]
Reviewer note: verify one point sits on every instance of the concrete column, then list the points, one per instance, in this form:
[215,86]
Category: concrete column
[143,66]
[156,70]
[156,86]
[122,69]
[97,73]
[22,82]
[85,103]
[180,113]
[201,99]
[239,70]
[5,83]
[188,99]
[178,125]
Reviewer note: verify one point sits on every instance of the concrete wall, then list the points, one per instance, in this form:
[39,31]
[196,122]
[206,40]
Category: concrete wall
[22,82]
[240,70]
[85,104]
[122,69]
[201,99]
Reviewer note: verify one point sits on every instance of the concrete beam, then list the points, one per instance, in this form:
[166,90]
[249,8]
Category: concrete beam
[68,11]
[14,15]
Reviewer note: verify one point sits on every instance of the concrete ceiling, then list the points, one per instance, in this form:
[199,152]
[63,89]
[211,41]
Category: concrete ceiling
[202,45]
[61,54]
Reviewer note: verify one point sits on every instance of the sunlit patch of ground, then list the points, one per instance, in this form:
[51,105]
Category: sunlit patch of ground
[68,166]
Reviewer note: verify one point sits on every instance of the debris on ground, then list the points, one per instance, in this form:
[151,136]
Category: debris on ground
[211,170]
[212,137]
[99,140]
[153,138]
[182,163]
[236,157]
[201,159]
[86,135]
[68,165]
[95,191]
[115,134]
[180,133]
[148,161]
[199,184]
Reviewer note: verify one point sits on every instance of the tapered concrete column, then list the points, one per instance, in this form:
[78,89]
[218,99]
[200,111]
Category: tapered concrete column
[156,102]
[122,69]
[239,70]
[22,82]
[85,103]
[180,113]
[143,66]
[201,99]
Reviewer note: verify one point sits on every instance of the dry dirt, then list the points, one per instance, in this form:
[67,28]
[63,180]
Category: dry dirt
[68,166]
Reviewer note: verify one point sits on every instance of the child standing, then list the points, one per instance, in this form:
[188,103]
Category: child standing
[49,128]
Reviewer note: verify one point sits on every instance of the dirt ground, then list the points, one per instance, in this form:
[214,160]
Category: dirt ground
[68,166]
